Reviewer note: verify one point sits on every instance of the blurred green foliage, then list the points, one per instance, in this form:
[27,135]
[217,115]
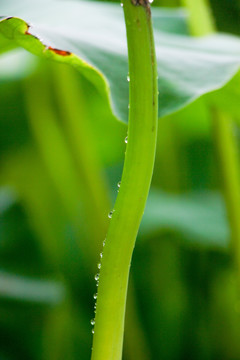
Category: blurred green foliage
[61,157]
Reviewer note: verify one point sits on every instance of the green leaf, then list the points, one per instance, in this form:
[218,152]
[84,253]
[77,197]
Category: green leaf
[199,217]
[92,39]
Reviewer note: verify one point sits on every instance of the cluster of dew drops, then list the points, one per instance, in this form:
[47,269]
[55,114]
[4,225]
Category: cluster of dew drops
[97,276]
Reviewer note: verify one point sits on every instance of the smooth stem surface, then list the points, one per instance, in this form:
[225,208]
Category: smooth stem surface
[201,22]
[226,145]
[228,159]
[136,179]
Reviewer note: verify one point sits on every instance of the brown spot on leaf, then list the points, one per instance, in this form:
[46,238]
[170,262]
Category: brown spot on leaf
[28,33]
[27,30]
[59,52]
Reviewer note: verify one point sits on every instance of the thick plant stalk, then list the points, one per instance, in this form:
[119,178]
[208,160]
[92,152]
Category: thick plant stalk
[200,21]
[227,152]
[226,146]
[135,183]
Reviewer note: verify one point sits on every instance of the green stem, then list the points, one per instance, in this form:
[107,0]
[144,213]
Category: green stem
[228,159]
[226,145]
[136,179]
[200,21]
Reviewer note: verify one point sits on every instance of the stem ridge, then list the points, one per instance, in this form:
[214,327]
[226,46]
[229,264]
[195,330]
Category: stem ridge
[135,183]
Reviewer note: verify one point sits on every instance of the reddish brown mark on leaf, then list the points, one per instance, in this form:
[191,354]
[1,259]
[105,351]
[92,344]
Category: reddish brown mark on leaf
[28,33]
[59,52]
[56,51]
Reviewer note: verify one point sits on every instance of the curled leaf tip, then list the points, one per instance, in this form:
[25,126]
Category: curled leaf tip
[56,51]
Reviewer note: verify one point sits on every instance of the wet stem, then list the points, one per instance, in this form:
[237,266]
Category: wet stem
[133,192]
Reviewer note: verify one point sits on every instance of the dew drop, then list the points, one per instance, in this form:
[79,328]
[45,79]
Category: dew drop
[101,255]
[104,242]
[97,277]
[128,78]
[111,214]
[95,296]
[97,283]
[99,266]
[126,140]
[92,322]
[121,4]
[92,331]
[119,184]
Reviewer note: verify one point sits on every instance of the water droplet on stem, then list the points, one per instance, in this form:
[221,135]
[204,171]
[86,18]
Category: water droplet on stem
[111,214]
